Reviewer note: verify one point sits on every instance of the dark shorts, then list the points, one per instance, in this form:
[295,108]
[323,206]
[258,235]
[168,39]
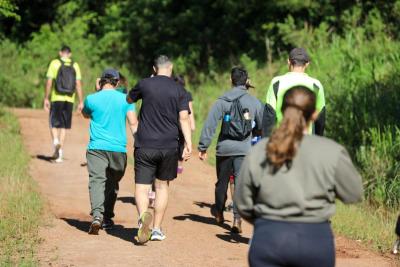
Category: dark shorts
[155,163]
[61,114]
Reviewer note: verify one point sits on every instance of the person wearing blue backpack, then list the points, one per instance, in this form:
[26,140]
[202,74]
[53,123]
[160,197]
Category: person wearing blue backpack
[239,112]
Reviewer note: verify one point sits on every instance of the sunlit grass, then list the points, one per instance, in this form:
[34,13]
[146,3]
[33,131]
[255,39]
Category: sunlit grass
[20,203]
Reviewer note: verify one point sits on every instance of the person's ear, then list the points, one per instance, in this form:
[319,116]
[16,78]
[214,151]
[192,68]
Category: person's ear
[154,69]
[307,64]
[60,54]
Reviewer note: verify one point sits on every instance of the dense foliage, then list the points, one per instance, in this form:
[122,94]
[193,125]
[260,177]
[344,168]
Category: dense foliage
[354,46]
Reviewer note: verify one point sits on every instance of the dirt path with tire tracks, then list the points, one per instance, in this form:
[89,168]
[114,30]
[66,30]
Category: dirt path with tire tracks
[192,237]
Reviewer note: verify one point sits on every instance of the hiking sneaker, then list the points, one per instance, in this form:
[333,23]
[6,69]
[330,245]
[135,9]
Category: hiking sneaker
[157,235]
[59,160]
[56,154]
[144,231]
[237,226]
[396,246]
[108,224]
[95,226]
[219,216]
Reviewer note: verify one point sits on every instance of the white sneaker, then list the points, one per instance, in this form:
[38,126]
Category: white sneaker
[396,247]
[56,154]
[59,159]
[157,235]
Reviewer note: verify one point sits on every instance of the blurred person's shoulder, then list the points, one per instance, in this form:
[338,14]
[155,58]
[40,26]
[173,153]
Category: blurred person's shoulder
[322,144]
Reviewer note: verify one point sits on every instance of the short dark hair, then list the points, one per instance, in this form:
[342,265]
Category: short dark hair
[239,76]
[161,61]
[66,49]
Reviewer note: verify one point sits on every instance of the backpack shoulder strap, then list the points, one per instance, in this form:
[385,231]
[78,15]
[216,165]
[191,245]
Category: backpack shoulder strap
[316,88]
[275,86]
[62,62]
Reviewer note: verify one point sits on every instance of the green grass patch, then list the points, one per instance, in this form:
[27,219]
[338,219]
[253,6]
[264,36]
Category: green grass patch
[20,202]
[373,226]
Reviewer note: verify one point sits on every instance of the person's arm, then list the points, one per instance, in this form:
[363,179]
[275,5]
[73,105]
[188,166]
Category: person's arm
[209,128]
[86,111]
[80,94]
[185,127]
[245,192]
[47,91]
[320,122]
[78,86]
[50,75]
[348,182]
[132,121]
[191,117]
[134,94]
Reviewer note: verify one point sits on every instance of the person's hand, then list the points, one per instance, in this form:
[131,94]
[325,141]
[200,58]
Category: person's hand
[46,104]
[80,107]
[203,155]
[187,152]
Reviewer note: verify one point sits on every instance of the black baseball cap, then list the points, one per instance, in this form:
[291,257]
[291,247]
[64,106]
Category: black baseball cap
[66,48]
[111,74]
[299,55]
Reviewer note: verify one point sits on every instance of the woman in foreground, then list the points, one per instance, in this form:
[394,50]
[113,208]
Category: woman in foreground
[288,186]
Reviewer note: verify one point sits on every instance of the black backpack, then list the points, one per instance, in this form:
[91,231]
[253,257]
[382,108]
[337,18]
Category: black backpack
[269,115]
[237,127]
[66,78]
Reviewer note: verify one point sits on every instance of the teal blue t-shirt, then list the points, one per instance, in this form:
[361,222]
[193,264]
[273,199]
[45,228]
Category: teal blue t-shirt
[107,110]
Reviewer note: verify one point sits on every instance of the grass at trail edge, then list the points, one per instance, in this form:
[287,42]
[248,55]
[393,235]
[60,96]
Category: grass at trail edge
[20,203]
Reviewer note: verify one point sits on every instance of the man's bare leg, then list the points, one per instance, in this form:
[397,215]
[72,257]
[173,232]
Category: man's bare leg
[145,218]
[62,137]
[55,135]
[142,197]
[162,188]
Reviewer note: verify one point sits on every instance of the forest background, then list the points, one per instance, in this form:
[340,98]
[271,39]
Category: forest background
[354,47]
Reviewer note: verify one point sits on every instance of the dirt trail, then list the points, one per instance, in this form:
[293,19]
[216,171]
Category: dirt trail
[192,237]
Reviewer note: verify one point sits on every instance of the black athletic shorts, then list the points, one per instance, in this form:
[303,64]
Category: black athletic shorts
[61,114]
[155,163]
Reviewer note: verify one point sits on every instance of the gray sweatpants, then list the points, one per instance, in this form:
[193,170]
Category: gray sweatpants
[105,169]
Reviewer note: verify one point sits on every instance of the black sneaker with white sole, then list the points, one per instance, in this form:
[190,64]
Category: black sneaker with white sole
[108,224]
[95,226]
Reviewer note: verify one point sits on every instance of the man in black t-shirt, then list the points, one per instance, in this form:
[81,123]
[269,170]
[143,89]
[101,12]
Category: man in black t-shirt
[164,110]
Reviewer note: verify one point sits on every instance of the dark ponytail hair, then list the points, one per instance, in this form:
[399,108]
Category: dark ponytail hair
[297,108]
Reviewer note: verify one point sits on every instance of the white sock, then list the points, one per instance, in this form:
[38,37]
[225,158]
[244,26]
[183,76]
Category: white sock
[60,153]
[56,141]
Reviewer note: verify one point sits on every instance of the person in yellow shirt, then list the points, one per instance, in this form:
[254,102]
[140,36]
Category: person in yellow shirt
[59,99]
